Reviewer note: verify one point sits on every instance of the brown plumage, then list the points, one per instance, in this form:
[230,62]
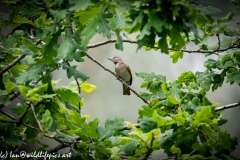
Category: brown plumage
[124,72]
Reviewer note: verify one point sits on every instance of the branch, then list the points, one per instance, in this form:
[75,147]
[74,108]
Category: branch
[7,121]
[219,43]
[117,78]
[7,114]
[35,116]
[129,128]
[10,65]
[173,49]
[205,136]
[13,96]
[227,106]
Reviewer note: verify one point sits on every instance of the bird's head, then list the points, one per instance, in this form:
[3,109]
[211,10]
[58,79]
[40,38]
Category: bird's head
[116,59]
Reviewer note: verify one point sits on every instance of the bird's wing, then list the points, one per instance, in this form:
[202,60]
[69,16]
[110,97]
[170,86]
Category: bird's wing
[129,70]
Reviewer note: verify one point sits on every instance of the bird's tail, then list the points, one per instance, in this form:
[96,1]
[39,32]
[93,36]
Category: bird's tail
[126,91]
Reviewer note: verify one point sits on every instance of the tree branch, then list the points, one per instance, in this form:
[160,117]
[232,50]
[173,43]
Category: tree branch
[10,65]
[227,106]
[173,49]
[7,121]
[129,128]
[117,78]
[7,114]
[35,116]
[219,43]
[13,96]
[205,136]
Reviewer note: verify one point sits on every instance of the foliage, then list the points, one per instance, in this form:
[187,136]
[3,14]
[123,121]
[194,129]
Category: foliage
[179,107]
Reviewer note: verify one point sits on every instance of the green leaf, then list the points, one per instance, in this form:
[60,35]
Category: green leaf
[41,20]
[150,75]
[129,148]
[6,100]
[31,46]
[223,144]
[177,40]
[77,56]
[187,78]
[46,120]
[119,42]
[175,150]
[68,47]
[220,25]
[233,76]
[162,43]
[37,90]
[97,25]
[9,85]
[71,71]
[87,87]
[33,73]
[175,92]
[203,116]
[180,117]
[58,15]
[204,79]
[24,89]
[68,96]
[3,92]
[211,63]
[147,124]
[20,109]
[118,21]
[80,5]
[89,13]
[111,127]
[21,20]
[156,22]
[176,55]
[224,43]
[65,136]
[49,52]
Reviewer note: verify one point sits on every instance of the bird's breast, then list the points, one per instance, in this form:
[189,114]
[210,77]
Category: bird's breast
[122,71]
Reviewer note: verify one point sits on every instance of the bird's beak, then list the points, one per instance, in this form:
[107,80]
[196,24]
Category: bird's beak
[109,59]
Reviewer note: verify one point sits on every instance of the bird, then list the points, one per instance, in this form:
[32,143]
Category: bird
[123,71]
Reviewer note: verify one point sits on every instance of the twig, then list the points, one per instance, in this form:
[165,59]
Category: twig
[156,47]
[129,128]
[29,126]
[35,115]
[192,152]
[227,106]
[219,43]
[79,90]
[10,65]
[117,78]
[205,136]
[13,96]
[7,121]
[7,114]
